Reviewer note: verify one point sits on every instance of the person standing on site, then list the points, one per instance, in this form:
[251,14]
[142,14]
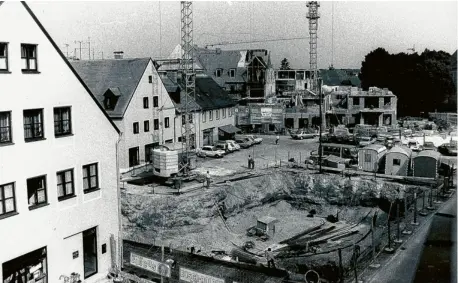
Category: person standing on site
[270,258]
[277,139]
[250,162]
[207,178]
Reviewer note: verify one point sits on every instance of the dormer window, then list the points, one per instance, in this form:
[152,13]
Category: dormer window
[111,98]
[218,72]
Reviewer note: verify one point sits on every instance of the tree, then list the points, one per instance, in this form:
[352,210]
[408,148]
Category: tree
[421,82]
[284,64]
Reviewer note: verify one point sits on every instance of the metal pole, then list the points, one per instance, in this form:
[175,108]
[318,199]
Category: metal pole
[415,210]
[321,125]
[398,222]
[300,157]
[373,242]
[341,277]
[162,251]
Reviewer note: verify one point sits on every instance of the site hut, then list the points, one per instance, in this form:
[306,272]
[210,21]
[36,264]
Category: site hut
[136,100]
[398,161]
[426,164]
[371,157]
[266,225]
[58,176]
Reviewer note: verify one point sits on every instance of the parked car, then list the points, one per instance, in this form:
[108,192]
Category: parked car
[244,143]
[414,145]
[364,141]
[447,149]
[299,135]
[209,150]
[429,146]
[234,144]
[227,147]
[256,139]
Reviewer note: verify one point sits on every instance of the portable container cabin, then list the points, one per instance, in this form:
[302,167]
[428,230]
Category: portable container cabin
[165,162]
[266,225]
[426,164]
[398,160]
[371,157]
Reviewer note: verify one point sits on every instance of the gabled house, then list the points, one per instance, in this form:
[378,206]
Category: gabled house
[136,100]
[245,74]
[212,108]
[58,177]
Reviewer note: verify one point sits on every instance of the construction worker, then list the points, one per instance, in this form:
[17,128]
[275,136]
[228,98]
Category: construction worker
[277,139]
[250,162]
[207,178]
[270,258]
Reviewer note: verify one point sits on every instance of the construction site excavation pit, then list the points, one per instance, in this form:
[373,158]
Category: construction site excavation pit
[312,215]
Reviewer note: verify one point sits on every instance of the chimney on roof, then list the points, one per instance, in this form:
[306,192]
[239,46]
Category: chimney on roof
[118,54]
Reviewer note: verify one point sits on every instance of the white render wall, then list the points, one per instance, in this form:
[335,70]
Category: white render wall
[93,140]
[136,113]
[215,123]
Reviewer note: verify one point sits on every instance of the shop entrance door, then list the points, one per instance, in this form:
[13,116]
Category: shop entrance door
[90,252]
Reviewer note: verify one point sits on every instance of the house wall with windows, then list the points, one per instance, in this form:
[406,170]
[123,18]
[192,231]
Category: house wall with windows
[32,218]
[211,120]
[159,107]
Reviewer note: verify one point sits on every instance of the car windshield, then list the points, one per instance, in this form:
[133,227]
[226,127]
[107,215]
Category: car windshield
[412,143]
[365,139]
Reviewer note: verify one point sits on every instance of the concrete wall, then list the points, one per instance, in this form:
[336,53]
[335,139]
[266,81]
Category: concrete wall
[93,140]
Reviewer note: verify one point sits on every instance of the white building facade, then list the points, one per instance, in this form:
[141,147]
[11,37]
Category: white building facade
[58,175]
[141,107]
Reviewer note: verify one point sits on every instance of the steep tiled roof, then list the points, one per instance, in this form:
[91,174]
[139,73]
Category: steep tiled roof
[209,95]
[101,75]
[212,60]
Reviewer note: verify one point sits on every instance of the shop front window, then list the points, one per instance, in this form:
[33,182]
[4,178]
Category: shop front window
[31,267]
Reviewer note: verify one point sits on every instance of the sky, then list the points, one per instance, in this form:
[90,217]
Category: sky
[347,30]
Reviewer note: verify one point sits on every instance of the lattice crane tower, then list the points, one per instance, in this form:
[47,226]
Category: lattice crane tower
[313,16]
[188,81]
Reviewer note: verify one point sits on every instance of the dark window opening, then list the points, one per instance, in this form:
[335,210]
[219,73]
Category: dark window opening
[156,124]
[90,177]
[150,79]
[31,267]
[397,162]
[36,191]
[3,56]
[110,102]
[7,199]
[134,156]
[62,121]
[33,124]
[146,126]
[136,127]
[367,157]
[386,101]
[65,184]
[155,101]
[167,122]
[232,73]
[218,73]
[145,102]
[5,127]
[356,101]
[29,57]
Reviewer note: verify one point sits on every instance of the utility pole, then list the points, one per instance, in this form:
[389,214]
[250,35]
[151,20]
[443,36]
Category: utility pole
[320,149]
[89,47]
[93,54]
[66,45]
[80,42]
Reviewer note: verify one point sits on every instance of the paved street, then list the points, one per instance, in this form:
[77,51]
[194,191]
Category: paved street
[265,154]
[402,267]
